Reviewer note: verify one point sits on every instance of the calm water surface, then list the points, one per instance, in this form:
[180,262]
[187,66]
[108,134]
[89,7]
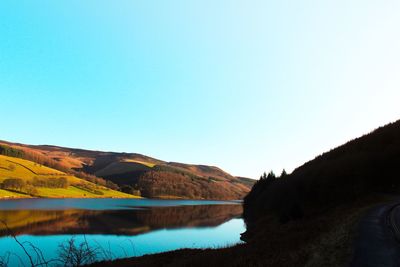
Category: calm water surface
[120,227]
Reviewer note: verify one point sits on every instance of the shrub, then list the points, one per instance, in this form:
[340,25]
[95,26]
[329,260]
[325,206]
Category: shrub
[19,185]
[31,190]
[90,188]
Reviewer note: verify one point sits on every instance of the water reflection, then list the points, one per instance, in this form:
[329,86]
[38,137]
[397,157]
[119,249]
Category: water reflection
[123,227]
[115,222]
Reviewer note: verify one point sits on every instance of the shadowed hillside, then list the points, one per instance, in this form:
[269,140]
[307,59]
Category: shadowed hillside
[365,165]
[136,174]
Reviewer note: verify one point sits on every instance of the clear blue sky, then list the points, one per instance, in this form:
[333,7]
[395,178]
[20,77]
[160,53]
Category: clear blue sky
[245,85]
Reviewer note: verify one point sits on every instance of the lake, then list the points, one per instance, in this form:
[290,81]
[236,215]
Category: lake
[114,228]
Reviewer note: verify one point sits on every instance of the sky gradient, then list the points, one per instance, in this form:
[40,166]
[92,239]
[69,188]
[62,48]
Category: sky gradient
[248,86]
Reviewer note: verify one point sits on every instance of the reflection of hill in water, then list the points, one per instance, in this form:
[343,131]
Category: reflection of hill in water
[124,222]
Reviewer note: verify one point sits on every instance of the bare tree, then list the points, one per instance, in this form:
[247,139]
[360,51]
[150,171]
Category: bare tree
[70,253]
[73,254]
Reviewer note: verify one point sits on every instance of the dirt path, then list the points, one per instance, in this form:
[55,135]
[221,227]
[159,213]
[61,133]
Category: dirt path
[376,244]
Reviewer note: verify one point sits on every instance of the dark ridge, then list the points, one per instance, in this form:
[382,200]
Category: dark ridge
[369,164]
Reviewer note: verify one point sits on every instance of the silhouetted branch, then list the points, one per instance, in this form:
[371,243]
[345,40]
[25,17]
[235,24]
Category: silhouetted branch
[18,242]
[70,253]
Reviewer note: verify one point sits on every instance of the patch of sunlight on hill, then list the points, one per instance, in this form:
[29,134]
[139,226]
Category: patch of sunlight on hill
[148,164]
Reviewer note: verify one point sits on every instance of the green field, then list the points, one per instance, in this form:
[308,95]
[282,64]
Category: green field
[10,194]
[27,170]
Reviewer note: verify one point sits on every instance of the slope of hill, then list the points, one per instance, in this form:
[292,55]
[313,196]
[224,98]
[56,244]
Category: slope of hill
[136,173]
[367,164]
[24,178]
[312,213]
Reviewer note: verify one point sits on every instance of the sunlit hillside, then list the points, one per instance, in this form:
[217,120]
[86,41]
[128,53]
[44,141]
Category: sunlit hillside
[135,173]
[23,178]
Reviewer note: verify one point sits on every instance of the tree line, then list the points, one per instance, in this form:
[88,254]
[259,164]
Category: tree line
[60,182]
[11,152]
[29,187]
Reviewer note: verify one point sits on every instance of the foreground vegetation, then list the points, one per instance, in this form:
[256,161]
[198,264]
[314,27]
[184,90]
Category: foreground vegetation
[71,253]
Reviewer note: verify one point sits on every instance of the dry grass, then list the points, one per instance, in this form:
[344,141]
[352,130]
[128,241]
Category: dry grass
[334,248]
[324,239]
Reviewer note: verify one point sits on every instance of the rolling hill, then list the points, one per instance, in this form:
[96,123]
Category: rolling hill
[24,178]
[138,174]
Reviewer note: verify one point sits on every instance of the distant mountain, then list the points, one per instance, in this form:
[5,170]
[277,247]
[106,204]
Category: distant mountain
[135,173]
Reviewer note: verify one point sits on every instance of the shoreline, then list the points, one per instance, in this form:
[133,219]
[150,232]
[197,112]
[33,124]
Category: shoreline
[235,201]
[27,197]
